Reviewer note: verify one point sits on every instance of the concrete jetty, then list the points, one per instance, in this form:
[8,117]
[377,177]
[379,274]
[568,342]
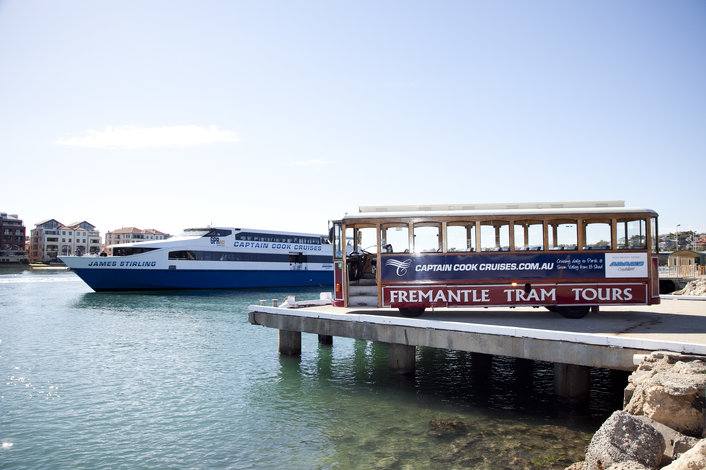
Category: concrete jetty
[614,338]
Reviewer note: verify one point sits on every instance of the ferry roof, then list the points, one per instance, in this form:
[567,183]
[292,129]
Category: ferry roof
[499,210]
[193,233]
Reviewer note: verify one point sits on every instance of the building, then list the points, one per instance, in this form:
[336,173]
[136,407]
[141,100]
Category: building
[51,239]
[12,239]
[132,234]
[686,258]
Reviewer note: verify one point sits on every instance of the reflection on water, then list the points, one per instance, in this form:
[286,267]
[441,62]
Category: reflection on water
[182,380]
[458,410]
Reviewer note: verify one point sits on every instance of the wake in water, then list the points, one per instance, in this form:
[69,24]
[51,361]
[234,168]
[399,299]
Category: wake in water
[31,277]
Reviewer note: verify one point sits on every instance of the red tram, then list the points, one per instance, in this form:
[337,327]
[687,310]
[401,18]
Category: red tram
[567,257]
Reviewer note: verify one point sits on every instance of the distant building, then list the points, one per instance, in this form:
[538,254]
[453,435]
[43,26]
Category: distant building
[686,258]
[132,234]
[51,239]
[12,239]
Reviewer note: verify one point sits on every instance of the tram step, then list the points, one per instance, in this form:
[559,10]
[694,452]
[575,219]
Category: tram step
[363,290]
[363,301]
[364,282]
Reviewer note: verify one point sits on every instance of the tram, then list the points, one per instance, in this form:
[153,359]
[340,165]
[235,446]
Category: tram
[569,257]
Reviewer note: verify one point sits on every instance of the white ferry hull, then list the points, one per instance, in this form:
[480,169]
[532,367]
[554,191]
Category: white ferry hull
[213,263]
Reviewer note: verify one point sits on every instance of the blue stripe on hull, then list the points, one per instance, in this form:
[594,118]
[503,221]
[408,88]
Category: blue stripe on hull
[159,279]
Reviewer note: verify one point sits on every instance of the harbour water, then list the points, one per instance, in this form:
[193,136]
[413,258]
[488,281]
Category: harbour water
[182,380]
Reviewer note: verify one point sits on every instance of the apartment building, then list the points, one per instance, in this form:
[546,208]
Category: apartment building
[131,235]
[12,239]
[51,239]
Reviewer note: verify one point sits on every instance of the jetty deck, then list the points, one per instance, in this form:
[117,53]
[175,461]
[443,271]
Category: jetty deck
[612,338]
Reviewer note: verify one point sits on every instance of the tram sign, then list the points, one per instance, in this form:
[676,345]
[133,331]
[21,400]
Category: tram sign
[573,266]
[401,296]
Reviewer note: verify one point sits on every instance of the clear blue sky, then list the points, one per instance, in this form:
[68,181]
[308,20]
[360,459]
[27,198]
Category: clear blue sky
[285,114]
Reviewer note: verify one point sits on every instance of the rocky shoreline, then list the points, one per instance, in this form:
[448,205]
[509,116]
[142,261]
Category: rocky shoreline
[662,424]
[697,287]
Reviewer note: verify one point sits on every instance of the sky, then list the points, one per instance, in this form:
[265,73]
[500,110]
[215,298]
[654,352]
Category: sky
[287,114]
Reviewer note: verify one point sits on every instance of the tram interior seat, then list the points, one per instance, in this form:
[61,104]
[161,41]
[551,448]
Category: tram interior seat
[596,247]
[563,247]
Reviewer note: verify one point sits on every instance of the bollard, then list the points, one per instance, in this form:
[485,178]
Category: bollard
[275,302]
[263,303]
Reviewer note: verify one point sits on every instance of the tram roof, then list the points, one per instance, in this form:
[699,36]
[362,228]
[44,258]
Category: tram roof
[500,210]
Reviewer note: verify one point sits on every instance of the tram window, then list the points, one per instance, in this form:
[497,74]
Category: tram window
[597,235]
[338,241]
[461,237]
[563,235]
[653,234]
[426,238]
[395,238]
[632,234]
[365,238]
[529,235]
[495,235]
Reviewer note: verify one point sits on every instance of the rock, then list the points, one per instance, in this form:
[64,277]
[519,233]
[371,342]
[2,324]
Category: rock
[694,459]
[697,287]
[576,466]
[670,388]
[683,444]
[628,465]
[675,442]
[446,428]
[624,438]
[388,463]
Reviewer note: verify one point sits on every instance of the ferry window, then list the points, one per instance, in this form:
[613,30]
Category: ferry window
[563,235]
[461,237]
[130,251]
[182,255]
[529,235]
[495,235]
[426,238]
[276,238]
[297,258]
[631,234]
[395,238]
[597,235]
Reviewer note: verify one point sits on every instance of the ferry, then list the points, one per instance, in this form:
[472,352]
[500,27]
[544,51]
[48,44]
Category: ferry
[211,258]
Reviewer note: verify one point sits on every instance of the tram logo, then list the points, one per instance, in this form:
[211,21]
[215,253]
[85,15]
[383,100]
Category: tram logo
[401,266]
[626,265]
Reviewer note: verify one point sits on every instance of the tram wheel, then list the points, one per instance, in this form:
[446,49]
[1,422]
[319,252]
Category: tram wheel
[572,312]
[411,312]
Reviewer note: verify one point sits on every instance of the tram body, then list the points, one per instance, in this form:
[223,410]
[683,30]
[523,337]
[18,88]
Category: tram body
[567,257]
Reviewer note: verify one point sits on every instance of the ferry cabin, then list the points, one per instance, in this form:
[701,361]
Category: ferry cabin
[568,257]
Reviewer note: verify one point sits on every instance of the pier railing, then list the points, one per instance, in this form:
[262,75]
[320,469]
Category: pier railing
[682,271]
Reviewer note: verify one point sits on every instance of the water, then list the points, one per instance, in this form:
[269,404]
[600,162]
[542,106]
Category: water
[182,380]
